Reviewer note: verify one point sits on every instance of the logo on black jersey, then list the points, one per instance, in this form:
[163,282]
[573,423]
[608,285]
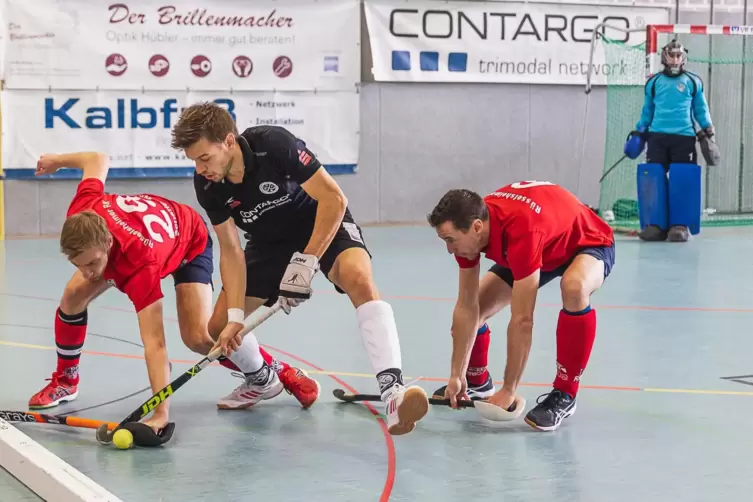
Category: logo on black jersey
[268,188]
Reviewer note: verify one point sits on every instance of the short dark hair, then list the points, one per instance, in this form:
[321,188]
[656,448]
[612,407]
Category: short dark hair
[206,120]
[461,207]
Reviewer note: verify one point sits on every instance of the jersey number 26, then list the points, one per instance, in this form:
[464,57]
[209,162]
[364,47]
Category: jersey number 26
[133,204]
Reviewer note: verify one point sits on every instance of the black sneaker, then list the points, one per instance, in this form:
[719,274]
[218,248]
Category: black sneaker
[549,413]
[478,393]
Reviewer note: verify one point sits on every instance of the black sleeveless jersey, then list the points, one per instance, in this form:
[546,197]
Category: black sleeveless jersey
[269,204]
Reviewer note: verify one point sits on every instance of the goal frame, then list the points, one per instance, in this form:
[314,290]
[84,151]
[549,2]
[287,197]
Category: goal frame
[653,55]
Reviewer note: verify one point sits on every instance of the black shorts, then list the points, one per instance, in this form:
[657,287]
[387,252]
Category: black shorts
[199,269]
[603,253]
[266,263]
[668,149]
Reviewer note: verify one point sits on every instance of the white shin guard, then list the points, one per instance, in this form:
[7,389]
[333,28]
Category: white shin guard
[248,357]
[379,333]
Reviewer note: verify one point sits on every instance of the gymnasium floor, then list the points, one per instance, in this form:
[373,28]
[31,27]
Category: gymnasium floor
[656,419]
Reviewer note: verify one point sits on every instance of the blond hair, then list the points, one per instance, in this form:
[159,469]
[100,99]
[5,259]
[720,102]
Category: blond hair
[205,120]
[83,231]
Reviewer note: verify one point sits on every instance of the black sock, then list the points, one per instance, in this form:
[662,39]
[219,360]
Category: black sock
[260,376]
[388,378]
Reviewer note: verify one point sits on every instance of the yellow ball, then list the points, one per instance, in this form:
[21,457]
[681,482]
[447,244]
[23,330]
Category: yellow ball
[122,439]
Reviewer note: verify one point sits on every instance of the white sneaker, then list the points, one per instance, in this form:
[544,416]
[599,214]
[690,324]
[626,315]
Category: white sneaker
[248,394]
[405,407]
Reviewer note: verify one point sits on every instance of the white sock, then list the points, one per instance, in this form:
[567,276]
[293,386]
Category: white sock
[248,357]
[379,333]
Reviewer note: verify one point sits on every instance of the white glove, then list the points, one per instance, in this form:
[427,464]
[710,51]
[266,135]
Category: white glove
[295,287]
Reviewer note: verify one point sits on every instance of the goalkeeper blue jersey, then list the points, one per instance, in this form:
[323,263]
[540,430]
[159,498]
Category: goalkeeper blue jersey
[671,104]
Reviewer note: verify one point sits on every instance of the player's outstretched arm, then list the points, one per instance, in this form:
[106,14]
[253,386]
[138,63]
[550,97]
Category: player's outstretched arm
[520,329]
[465,319]
[155,352]
[93,164]
[233,274]
[331,204]
[700,106]
[647,113]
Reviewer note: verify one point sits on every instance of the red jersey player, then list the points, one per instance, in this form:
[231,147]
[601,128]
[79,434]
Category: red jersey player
[534,231]
[132,242]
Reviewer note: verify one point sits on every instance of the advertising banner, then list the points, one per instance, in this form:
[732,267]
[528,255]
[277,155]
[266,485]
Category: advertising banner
[288,45]
[134,128]
[529,43]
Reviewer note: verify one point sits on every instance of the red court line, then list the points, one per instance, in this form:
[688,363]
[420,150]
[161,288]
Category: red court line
[391,463]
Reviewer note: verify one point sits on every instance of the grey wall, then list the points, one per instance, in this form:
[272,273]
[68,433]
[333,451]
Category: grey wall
[419,140]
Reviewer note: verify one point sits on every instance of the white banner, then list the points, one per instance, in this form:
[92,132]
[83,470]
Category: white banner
[289,45]
[134,128]
[535,43]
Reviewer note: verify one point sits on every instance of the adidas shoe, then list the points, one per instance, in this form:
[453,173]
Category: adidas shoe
[405,407]
[249,393]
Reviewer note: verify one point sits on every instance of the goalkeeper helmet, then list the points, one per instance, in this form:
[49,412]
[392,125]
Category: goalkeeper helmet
[673,57]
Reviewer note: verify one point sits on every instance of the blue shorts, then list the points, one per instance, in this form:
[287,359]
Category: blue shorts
[199,269]
[603,253]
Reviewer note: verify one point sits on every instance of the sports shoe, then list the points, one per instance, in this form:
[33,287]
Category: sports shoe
[58,391]
[678,233]
[549,413]
[405,407]
[476,393]
[249,393]
[298,384]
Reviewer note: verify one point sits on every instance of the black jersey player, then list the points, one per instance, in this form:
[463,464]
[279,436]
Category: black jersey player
[266,182]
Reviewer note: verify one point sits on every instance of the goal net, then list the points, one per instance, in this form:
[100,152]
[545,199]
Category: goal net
[723,57]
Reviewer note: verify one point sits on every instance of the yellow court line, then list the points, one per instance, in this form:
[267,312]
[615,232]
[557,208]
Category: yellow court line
[408,378]
[700,391]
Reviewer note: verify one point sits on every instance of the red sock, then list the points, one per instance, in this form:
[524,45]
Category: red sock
[477,372]
[275,364]
[70,332]
[227,363]
[575,339]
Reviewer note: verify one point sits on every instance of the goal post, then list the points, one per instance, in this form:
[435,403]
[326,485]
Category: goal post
[722,56]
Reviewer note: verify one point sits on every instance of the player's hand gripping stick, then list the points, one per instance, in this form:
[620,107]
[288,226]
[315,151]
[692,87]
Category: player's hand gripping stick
[143,434]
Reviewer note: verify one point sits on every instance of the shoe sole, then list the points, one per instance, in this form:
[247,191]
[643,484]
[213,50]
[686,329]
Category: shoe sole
[66,399]
[555,426]
[247,406]
[414,407]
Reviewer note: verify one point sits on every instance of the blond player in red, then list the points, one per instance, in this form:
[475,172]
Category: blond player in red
[534,231]
[132,242]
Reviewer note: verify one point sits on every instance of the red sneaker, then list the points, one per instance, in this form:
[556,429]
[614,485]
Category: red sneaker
[299,385]
[58,391]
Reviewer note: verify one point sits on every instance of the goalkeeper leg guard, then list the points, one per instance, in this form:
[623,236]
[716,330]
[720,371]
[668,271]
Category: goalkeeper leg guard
[684,200]
[653,207]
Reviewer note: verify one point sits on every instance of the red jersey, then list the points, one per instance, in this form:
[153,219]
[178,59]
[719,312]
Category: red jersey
[538,225]
[152,237]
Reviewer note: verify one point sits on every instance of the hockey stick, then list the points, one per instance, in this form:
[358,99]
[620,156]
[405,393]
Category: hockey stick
[486,410]
[41,418]
[612,168]
[355,398]
[144,435]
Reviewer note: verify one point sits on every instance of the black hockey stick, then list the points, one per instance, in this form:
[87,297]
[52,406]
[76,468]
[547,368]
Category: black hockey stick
[355,398]
[144,435]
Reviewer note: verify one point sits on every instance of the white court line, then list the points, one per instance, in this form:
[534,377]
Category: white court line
[44,473]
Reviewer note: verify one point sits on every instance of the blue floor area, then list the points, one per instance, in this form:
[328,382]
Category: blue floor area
[658,416]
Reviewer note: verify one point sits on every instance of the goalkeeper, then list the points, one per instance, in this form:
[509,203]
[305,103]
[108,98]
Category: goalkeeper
[673,99]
